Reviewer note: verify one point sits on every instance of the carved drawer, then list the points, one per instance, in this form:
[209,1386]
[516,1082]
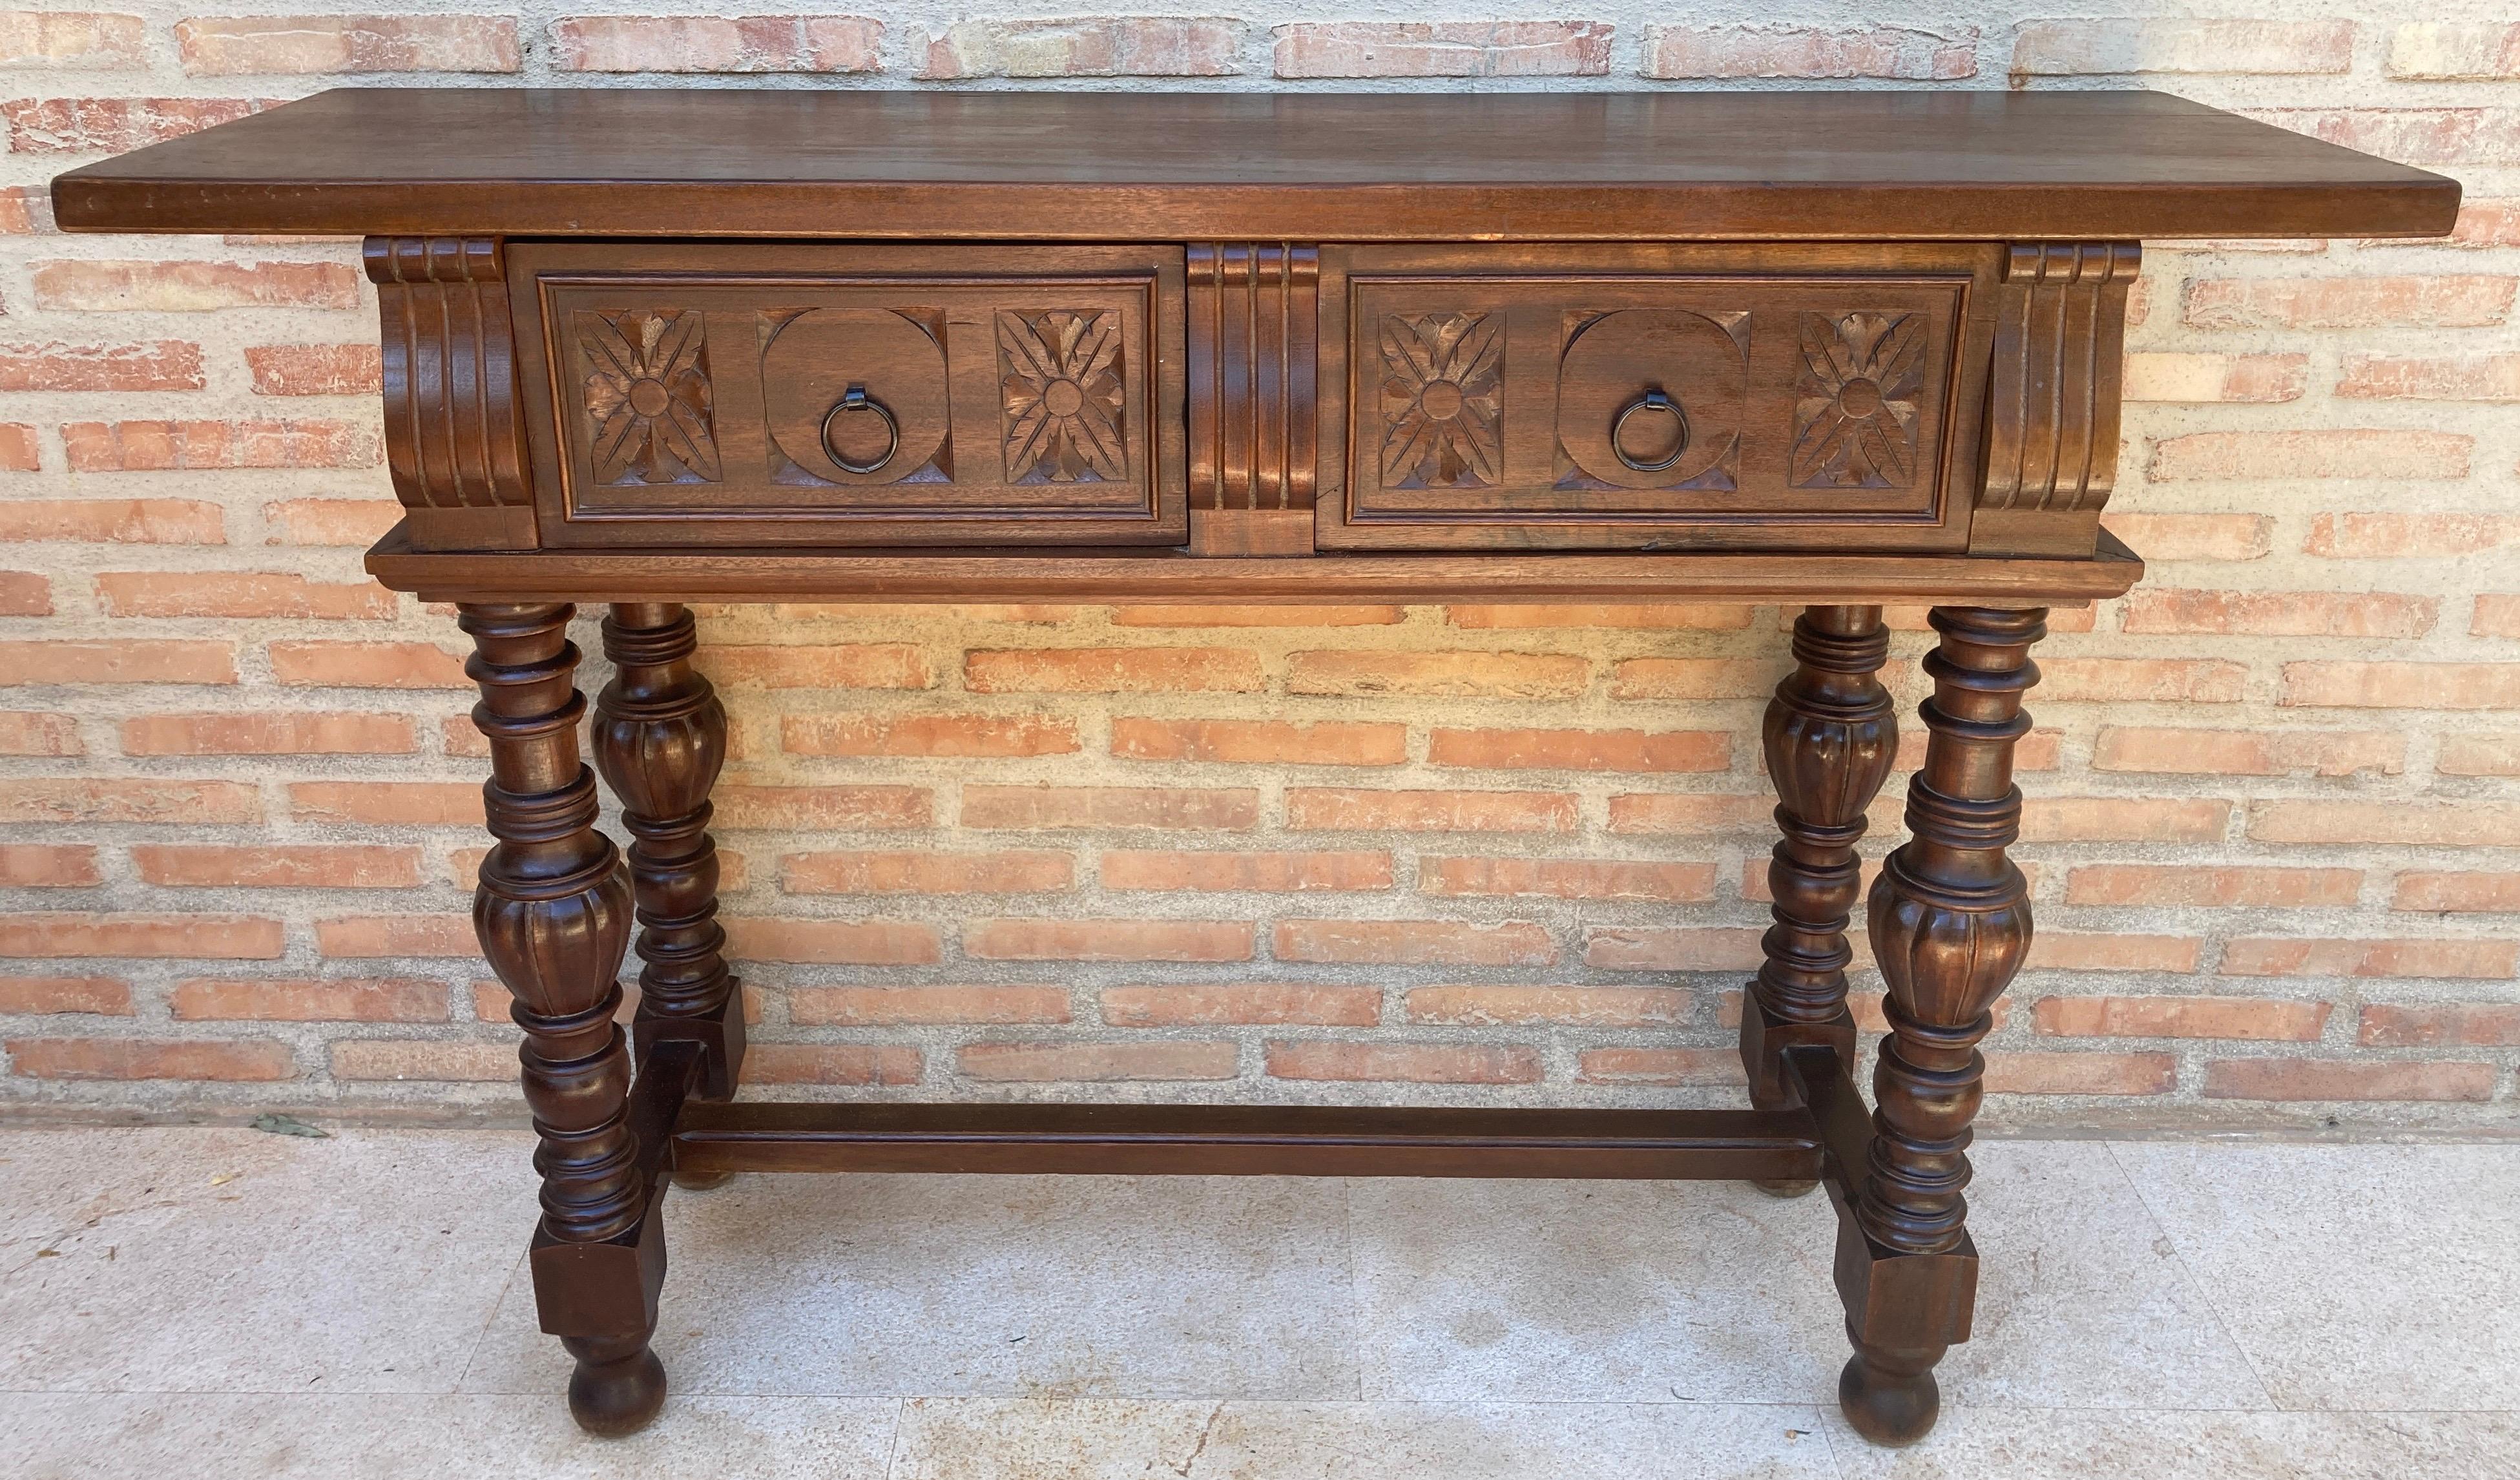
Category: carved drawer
[1654,397]
[833,395]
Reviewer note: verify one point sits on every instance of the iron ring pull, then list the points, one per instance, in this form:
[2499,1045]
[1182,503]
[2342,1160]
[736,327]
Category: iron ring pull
[855,398]
[1652,400]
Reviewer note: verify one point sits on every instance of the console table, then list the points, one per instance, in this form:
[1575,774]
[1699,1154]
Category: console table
[1825,349]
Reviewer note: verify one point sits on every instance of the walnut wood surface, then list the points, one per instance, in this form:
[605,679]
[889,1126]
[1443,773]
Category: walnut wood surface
[1252,309]
[455,432]
[1949,165]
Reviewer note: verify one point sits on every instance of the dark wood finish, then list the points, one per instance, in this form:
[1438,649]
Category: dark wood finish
[1252,309]
[552,911]
[1245,1141]
[455,436]
[2051,424]
[1952,165]
[693,395]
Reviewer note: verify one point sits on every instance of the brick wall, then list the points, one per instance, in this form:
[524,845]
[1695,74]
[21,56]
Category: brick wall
[1456,854]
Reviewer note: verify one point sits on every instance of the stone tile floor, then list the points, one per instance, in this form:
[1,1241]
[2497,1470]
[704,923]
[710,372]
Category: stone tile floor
[178,1303]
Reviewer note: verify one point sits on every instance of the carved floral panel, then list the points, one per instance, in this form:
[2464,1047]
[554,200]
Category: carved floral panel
[1443,400]
[1064,393]
[1856,406]
[647,396]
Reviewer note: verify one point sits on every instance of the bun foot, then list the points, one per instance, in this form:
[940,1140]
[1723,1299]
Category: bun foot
[1889,1396]
[1786,1186]
[700,1181]
[618,1386]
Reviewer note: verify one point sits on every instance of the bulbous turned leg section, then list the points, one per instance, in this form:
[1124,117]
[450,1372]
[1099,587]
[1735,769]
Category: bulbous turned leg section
[1829,737]
[1888,1394]
[618,1386]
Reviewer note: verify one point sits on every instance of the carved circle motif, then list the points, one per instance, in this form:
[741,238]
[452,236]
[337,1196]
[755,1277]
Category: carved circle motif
[819,357]
[1609,370]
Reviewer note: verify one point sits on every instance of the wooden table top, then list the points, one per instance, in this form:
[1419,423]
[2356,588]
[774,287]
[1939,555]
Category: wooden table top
[1175,166]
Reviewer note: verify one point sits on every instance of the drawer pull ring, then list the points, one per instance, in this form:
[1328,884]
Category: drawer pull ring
[856,399]
[1652,400]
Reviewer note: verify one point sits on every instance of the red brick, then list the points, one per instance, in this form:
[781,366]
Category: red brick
[1094,1063]
[2258,1019]
[368,937]
[123,660]
[2193,536]
[1692,814]
[2320,453]
[926,872]
[2437,51]
[164,446]
[1423,942]
[1576,1006]
[247,1061]
[1201,1005]
[2214,885]
[2403,536]
[235,45]
[1259,741]
[303,733]
[73,41]
[413,1059]
[239,593]
[2346,1079]
[2402,686]
[2421,377]
[24,208]
[1166,807]
[1582,749]
[82,285]
[835,942]
[48,865]
[1695,678]
[18,452]
[200,937]
[2487,223]
[366,665]
[2123,819]
[892,1007]
[2247,752]
[1658,617]
[2050,1072]
[2457,893]
[1255,615]
[1772,51]
[2374,302]
[337,1000]
[2475,825]
[1567,879]
[2217,377]
[127,799]
[962,735]
[2127,47]
[1220,871]
[1439,675]
[387,804]
[1108,940]
[163,365]
[717,44]
[2094,950]
[22,733]
[1112,670]
[1678,949]
[2282,613]
[816,809]
[298,866]
[787,614]
[2465,1025]
[2141,680]
[1660,1067]
[2497,614]
[2473,959]
[1405,1063]
[110,125]
[1085,46]
[1446,48]
[1355,809]
[833,1063]
[858,665]
[355,523]
[315,369]
[93,996]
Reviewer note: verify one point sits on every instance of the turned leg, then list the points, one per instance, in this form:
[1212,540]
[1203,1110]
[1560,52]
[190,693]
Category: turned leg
[1830,735]
[1949,919]
[553,912]
[659,741]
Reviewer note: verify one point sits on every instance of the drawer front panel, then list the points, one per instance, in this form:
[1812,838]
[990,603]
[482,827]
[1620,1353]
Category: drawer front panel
[848,395]
[1648,397]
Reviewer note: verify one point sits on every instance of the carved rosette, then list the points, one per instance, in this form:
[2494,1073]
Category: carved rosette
[1064,392]
[1443,400]
[1950,921]
[1856,410]
[647,396]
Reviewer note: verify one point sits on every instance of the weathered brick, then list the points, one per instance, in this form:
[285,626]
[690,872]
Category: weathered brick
[1094,1063]
[959,735]
[2434,51]
[1167,807]
[2470,960]
[48,865]
[2408,135]
[2431,378]
[315,369]
[422,1061]
[1270,871]
[1655,617]
[1192,1004]
[89,996]
[1674,948]
[27,733]
[2317,453]
[203,937]
[127,799]
[24,209]
[73,40]
[2497,614]
[159,365]
[2477,825]
[1255,617]
[355,523]
[2487,223]
[387,803]
[2214,885]
[2468,301]
[851,665]
[110,125]
[1415,942]
[1477,1007]
[133,286]
[237,45]
[268,733]
[2211,378]
[2478,755]
[2263,1019]
[1085,46]
[2458,892]
[717,44]
[1439,675]
[293,865]
[2280,613]
[1260,742]
[2124,819]
[2123,47]
[2094,951]
[892,1007]
[1692,815]
[2193,536]
[1356,809]
[1112,670]
[2247,752]
[926,872]
[372,937]
[2410,536]
[2347,1079]
[366,665]
[391,999]
[1696,678]
[18,452]
[1405,1063]
[239,593]
[23,593]
[2401,686]
[834,942]
[1675,52]
[2034,1071]
[166,446]
[1520,878]
[1447,49]
[123,660]
[816,809]
[1659,1066]
[833,1063]
[1582,749]
[2464,1024]
[242,1060]
[1108,940]
[2141,680]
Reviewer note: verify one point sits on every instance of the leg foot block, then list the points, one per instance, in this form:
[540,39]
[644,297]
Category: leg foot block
[1889,1395]
[618,1385]
[700,1181]
[1786,1186]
